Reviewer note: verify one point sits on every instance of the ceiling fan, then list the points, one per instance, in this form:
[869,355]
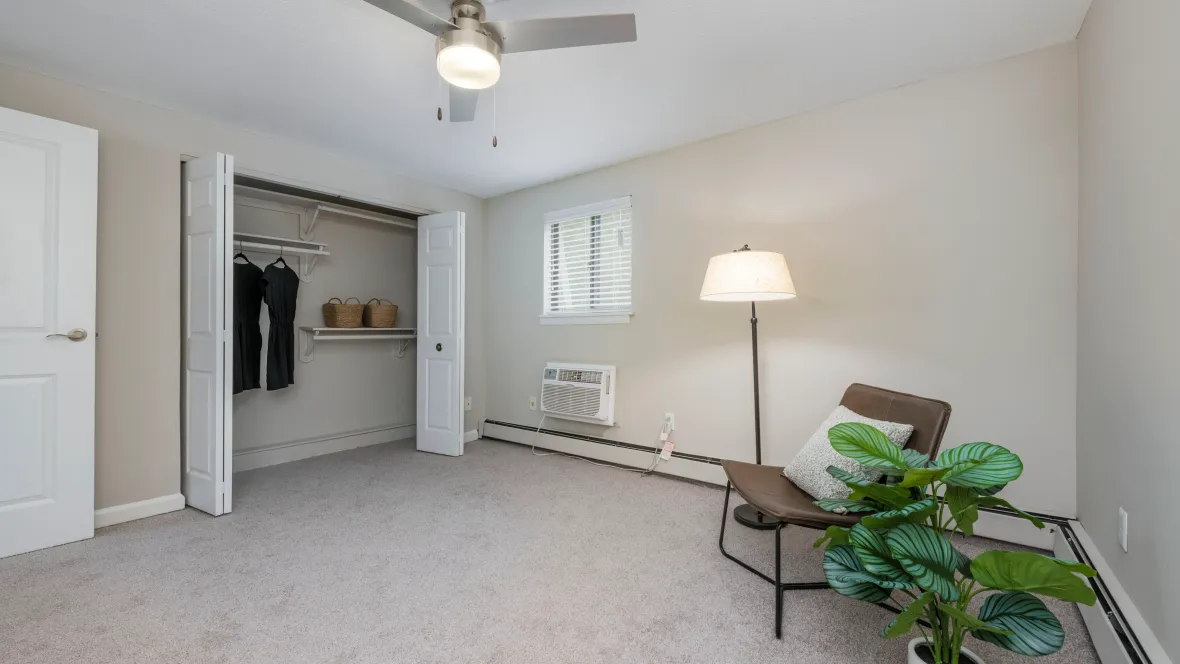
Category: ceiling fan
[469,46]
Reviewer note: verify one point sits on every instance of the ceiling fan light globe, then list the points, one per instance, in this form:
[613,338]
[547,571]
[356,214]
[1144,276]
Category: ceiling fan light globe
[467,66]
[468,59]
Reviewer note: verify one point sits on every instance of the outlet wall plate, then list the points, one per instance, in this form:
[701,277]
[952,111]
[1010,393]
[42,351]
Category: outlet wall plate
[1123,528]
[670,419]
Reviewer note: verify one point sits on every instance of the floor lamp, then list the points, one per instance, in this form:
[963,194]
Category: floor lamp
[750,276]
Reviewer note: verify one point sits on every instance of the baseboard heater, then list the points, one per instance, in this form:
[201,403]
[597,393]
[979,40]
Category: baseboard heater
[1132,650]
[606,441]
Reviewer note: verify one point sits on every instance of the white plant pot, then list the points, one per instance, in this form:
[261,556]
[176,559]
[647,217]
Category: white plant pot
[965,655]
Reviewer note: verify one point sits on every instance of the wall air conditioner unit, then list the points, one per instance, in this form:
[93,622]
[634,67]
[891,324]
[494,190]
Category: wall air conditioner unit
[579,392]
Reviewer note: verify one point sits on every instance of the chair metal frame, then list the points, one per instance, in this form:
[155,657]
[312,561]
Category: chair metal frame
[777,581]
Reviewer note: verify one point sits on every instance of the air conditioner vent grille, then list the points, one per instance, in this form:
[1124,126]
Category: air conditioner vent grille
[571,399]
[580,376]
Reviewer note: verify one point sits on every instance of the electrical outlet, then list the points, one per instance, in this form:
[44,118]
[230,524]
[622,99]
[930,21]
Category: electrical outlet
[1123,528]
[670,420]
[532,403]
[467,403]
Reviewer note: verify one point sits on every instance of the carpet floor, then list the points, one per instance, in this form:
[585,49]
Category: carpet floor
[383,554]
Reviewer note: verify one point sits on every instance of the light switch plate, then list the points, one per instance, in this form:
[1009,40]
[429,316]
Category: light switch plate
[467,403]
[532,403]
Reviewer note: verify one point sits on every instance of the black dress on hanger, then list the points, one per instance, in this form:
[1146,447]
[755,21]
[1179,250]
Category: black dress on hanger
[248,285]
[281,285]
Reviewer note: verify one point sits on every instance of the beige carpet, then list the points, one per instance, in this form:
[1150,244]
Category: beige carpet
[386,555]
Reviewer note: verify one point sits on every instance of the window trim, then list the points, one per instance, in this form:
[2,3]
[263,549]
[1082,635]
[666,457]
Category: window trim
[617,317]
[605,316]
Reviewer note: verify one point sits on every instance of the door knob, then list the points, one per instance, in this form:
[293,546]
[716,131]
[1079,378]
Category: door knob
[76,334]
[438,347]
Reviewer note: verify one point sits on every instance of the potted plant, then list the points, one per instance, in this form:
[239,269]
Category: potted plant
[902,551]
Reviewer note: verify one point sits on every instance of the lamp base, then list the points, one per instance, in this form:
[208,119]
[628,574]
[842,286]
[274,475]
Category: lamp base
[752,518]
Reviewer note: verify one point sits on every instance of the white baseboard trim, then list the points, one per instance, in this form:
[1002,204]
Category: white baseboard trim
[305,449]
[1098,623]
[109,516]
[471,436]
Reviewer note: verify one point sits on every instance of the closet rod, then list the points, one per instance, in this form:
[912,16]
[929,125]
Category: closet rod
[277,249]
[360,214]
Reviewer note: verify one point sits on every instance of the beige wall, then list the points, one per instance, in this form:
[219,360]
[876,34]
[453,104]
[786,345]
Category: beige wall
[140,150]
[1128,363]
[932,235]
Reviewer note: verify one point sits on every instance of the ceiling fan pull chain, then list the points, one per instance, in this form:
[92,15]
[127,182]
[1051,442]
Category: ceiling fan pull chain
[495,139]
[440,94]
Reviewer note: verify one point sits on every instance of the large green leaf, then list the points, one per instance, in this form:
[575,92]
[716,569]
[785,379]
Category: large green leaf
[888,471]
[839,506]
[833,536]
[990,490]
[1019,570]
[893,497]
[906,619]
[847,576]
[991,501]
[1084,570]
[923,476]
[912,513]
[865,445]
[967,620]
[926,556]
[963,564]
[873,551]
[964,505]
[991,465]
[847,477]
[915,459]
[1034,631]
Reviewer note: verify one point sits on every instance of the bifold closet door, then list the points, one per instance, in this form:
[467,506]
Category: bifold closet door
[207,428]
[441,292]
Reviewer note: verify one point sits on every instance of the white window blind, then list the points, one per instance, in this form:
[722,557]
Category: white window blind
[588,259]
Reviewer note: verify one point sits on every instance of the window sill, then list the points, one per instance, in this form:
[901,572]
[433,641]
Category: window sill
[603,318]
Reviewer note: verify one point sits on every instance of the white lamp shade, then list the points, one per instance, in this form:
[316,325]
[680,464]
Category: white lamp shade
[747,276]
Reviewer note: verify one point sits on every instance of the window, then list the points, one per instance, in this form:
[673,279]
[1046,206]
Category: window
[588,264]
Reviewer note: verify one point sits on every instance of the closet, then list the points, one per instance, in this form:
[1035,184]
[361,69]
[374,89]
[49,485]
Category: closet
[265,380]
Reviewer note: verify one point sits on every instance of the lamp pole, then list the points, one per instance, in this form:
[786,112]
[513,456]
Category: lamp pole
[746,514]
[757,400]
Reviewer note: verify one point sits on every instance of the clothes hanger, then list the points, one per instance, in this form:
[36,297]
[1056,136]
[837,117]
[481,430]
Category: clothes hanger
[281,259]
[240,254]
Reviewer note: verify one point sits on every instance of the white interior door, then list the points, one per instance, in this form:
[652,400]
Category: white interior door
[48,222]
[441,290]
[207,428]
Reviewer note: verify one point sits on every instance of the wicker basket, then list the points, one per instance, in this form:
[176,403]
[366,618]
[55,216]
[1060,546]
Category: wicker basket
[381,314]
[343,314]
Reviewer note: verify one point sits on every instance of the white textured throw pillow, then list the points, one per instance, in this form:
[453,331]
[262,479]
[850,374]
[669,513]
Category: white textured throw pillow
[809,469]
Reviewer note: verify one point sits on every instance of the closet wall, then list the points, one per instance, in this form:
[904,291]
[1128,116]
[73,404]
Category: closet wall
[355,390]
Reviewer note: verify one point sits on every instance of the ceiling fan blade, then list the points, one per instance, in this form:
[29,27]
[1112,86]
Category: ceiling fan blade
[463,103]
[426,14]
[542,34]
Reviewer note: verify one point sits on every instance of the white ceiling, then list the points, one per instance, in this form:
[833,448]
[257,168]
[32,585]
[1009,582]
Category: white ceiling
[344,75]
